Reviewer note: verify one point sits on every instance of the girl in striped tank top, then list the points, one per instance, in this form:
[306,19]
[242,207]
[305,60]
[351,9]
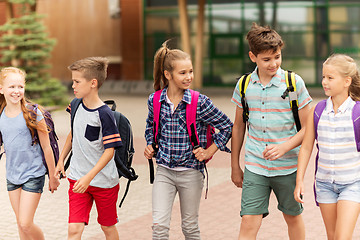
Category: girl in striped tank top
[337,179]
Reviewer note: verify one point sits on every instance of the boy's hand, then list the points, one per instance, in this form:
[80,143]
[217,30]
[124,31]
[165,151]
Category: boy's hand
[60,170]
[237,177]
[202,154]
[53,183]
[299,192]
[149,152]
[274,151]
[82,184]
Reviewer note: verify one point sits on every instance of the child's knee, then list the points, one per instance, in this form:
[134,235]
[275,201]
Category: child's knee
[109,229]
[293,220]
[75,229]
[160,231]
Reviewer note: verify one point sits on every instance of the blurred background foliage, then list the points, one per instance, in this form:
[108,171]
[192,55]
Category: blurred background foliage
[25,44]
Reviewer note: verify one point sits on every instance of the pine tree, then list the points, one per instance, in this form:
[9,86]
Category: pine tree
[25,44]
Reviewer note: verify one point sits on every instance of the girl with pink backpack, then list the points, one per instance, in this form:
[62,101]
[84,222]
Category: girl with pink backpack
[180,162]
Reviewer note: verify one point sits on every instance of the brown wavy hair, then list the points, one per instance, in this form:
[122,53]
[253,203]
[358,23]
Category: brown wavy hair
[164,60]
[347,67]
[263,39]
[31,122]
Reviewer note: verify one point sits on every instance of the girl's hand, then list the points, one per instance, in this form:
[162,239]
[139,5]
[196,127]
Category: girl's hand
[53,183]
[237,177]
[299,192]
[274,151]
[202,154]
[149,152]
[60,170]
[82,184]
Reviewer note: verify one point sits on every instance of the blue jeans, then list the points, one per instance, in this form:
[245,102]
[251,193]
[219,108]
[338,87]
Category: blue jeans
[34,185]
[189,184]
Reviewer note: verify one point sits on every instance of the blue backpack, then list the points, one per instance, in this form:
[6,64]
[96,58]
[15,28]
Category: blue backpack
[52,134]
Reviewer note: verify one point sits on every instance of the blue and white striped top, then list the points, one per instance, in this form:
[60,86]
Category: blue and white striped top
[339,160]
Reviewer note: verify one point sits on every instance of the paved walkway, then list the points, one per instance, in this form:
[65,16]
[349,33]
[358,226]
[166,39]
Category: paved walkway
[219,214]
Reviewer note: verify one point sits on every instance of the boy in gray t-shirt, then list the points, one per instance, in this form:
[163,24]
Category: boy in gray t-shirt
[93,174]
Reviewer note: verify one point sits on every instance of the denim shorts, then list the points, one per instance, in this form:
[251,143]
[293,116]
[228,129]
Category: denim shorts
[327,192]
[34,185]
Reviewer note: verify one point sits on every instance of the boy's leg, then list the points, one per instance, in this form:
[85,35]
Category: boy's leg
[163,194]
[250,225]
[111,232]
[347,215]
[190,184]
[80,205]
[296,226]
[283,187]
[254,204]
[105,200]
[75,231]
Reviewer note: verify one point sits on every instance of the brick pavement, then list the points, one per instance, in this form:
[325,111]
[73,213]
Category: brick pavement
[219,214]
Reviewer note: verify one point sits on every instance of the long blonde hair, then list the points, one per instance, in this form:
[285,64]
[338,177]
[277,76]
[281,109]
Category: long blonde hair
[347,67]
[31,122]
[164,60]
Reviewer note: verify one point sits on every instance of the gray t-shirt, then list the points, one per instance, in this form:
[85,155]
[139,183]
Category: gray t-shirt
[23,160]
[94,130]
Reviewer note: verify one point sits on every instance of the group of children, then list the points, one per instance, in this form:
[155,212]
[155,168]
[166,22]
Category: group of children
[274,160]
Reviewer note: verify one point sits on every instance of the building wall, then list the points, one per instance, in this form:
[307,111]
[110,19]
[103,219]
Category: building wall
[83,28]
[132,39]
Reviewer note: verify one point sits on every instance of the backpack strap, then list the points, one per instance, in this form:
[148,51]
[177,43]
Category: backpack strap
[191,118]
[291,91]
[244,83]
[156,112]
[356,123]
[1,142]
[156,120]
[74,105]
[319,108]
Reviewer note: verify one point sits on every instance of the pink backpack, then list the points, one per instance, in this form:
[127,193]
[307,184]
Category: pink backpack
[190,125]
[190,120]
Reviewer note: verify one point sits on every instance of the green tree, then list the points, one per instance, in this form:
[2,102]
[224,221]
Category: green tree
[25,44]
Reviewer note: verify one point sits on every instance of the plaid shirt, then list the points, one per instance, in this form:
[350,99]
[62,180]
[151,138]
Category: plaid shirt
[175,149]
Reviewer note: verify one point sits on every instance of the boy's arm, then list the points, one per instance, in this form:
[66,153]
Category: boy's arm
[304,156]
[65,151]
[49,156]
[237,139]
[83,183]
[275,151]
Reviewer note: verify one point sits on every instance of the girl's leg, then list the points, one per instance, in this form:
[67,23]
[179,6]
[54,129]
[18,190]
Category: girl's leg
[190,184]
[28,204]
[347,215]
[329,215]
[14,197]
[163,195]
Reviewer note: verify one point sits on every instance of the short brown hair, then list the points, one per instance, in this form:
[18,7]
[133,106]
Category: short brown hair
[92,68]
[263,39]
